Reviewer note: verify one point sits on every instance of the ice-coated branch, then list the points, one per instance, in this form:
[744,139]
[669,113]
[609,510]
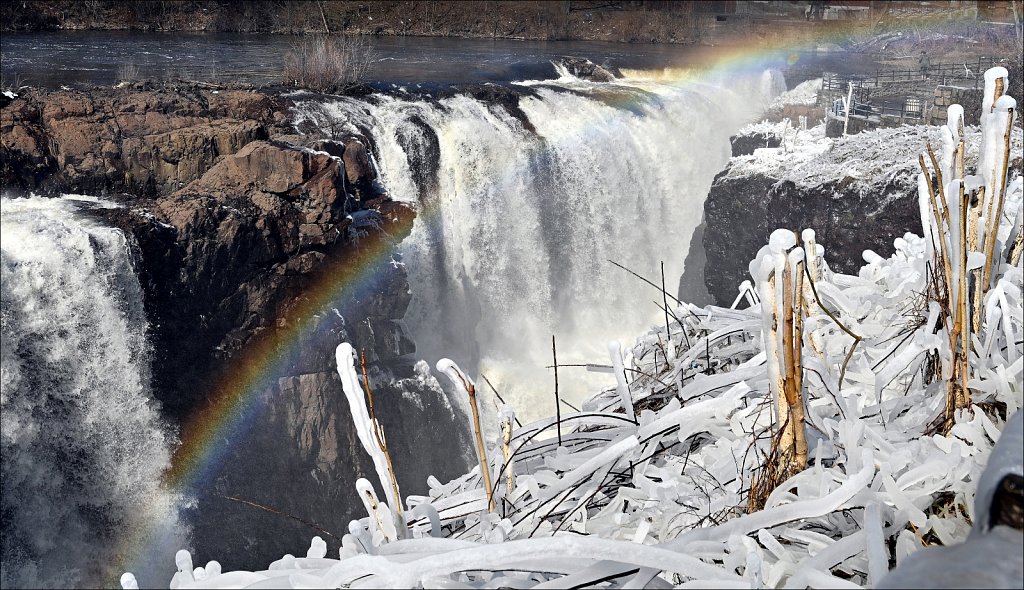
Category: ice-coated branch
[964,234]
[780,276]
[463,383]
[367,429]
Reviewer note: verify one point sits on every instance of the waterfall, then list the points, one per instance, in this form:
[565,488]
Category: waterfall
[521,209]
[83,446]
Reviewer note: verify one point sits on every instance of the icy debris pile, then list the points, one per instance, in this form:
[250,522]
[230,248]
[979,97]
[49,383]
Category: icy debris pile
[647,485]
[804,93]
[993,555]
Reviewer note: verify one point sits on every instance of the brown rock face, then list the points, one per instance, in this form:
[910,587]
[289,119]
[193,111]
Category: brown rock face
[167,161]
[276,169]
[146,142]
[357,162]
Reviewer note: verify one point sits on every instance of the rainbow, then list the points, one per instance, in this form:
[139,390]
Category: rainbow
[233,404]
[234,400]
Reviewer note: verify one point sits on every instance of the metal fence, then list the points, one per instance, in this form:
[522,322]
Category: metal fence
[911,110]
[940,73]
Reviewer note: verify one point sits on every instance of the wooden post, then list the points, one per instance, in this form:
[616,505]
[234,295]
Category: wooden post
[558,404]
[664,302]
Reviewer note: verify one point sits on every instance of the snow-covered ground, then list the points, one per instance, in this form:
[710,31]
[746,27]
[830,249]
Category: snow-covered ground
[807,157]
[646,486]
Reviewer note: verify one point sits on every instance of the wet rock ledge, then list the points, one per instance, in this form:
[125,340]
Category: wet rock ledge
[231,223]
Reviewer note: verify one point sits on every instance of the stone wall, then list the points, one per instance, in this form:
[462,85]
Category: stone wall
[969,98]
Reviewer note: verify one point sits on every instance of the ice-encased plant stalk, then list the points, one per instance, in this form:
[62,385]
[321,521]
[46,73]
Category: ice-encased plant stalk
[779,273]
[466,385]
[964,232]
[370,433]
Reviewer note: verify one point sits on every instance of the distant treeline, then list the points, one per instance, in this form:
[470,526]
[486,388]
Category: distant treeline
[643,20]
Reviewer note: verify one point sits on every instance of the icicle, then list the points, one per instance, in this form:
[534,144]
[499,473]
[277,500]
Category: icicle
[318,547]
[427,510]
[620,379]
[183,560]
[507,417]
[950,140]
[380,518]
[925,210]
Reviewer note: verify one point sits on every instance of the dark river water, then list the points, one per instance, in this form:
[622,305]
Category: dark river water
[91,58]
[94,57]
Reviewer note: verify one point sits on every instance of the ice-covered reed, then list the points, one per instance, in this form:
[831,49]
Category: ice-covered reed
[970,245]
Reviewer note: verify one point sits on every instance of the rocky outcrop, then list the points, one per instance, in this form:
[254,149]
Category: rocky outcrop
[745,144]
[273,264]
[856,193]
[585,69]
[134,139]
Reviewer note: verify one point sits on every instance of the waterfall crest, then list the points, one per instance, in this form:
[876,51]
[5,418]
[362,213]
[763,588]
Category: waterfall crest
[83,446]
[520,212]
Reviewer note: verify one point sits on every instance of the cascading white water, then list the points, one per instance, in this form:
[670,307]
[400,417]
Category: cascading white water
[515,230]
[83,446]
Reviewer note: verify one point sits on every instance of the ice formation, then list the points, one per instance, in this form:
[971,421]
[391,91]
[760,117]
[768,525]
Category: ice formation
[992,556]
[655,497]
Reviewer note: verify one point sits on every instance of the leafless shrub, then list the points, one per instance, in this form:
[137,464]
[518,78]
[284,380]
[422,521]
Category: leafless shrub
[127,72]
[327,63]
[11,83]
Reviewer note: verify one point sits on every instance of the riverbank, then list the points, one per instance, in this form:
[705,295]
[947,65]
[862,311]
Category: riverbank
[672,22]
[705,23]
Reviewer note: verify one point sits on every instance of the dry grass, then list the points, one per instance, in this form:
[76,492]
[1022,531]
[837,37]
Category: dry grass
[327,63]
[127,72]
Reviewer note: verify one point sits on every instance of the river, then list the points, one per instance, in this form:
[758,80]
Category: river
[89,58]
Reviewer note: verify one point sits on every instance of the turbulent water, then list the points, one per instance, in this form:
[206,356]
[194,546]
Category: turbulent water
[520,213]
[83,446]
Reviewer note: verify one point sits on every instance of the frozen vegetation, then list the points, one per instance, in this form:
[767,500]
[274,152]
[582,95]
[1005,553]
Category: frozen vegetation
[804,93]
[861,410]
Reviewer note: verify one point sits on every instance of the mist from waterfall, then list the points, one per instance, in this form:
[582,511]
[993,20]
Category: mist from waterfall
[83,446]
[520,215]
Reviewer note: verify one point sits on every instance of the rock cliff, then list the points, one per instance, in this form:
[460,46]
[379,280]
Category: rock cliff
[856,193]
[138,139]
